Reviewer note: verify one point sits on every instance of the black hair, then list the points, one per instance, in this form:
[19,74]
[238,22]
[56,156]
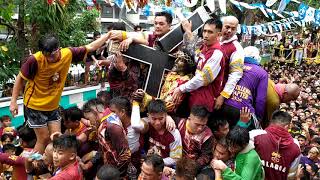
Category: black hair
[5,136]
[104,97]
[137,27]
[215,21]
[315,140]
[48,43]
[165,14]
[302,136]
[122,103]
[66,142]
[73,114]
[238,136]
[157,106]
[4,117]
[8,147]
[27,135]
[108,172]
[156,162]
[186,168]
[281,117]
[215,124]
[199,111]
[119,26]
[96,33]
[87,107]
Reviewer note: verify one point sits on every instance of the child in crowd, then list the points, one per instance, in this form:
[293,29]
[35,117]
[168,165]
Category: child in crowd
[6,124]
[65,158]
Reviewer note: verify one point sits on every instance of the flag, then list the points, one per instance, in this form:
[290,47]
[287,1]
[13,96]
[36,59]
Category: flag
[283,4]
[211,5]
[270,3]
[223,6]
[237,4]
[244,29]
[317,17]
[302,11]
[310,15]
[190,3]
[119,3]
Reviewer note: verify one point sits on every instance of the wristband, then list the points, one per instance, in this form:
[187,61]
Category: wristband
[124,35]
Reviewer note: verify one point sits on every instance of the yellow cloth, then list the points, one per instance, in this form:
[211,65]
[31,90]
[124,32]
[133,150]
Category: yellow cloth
[273,99]
[43,93]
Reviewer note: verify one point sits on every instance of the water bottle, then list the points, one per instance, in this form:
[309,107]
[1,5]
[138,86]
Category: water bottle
[132,172]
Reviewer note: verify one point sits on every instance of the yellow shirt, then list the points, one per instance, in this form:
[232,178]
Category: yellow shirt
[46,80]
[273,100]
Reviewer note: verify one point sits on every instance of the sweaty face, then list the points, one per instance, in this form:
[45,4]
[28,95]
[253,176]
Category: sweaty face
[197,124]
[210,34]
[62,158]
[221,153]
[229,29]
[161,26]
[157,120]
[147,173]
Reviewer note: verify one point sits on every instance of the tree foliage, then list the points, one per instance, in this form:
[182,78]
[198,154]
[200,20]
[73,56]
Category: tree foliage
[70,22]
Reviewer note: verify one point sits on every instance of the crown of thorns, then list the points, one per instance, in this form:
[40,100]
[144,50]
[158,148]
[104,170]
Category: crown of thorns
[183,56]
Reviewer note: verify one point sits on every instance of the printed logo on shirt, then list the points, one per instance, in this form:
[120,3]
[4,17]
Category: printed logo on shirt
[274,166]
[275,157]
[13,157]
[240,93]
[156,143]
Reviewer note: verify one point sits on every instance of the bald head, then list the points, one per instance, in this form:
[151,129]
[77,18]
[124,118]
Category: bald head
[230,19]
[229,28]
[292,91]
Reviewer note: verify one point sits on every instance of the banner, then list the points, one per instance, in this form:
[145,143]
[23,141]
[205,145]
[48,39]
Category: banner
[309,15]
[302,11]
[270,3]
[222,5]
[282,6]
[317,17]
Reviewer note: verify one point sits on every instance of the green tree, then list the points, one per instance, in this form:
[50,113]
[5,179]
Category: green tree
[70,22]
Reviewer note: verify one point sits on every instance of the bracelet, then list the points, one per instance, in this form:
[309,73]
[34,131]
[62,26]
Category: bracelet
[124,35]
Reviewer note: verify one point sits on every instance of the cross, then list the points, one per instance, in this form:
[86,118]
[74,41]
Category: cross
[159,61]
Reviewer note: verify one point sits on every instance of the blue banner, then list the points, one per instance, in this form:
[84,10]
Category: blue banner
[244,29]
[119,3]
[302,11]
[283,4]
[146,10]
[317,17]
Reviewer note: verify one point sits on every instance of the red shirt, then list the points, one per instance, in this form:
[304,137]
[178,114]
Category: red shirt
[73,171]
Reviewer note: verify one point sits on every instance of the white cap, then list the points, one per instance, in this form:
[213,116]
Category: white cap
[252,52]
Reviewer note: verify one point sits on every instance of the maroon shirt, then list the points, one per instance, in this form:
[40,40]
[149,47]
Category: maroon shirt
[277,151]
[197,146]
[72,171]
[19,171]
[162,142]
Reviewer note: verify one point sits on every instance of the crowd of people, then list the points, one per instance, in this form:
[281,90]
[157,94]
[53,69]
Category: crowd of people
[219,115]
